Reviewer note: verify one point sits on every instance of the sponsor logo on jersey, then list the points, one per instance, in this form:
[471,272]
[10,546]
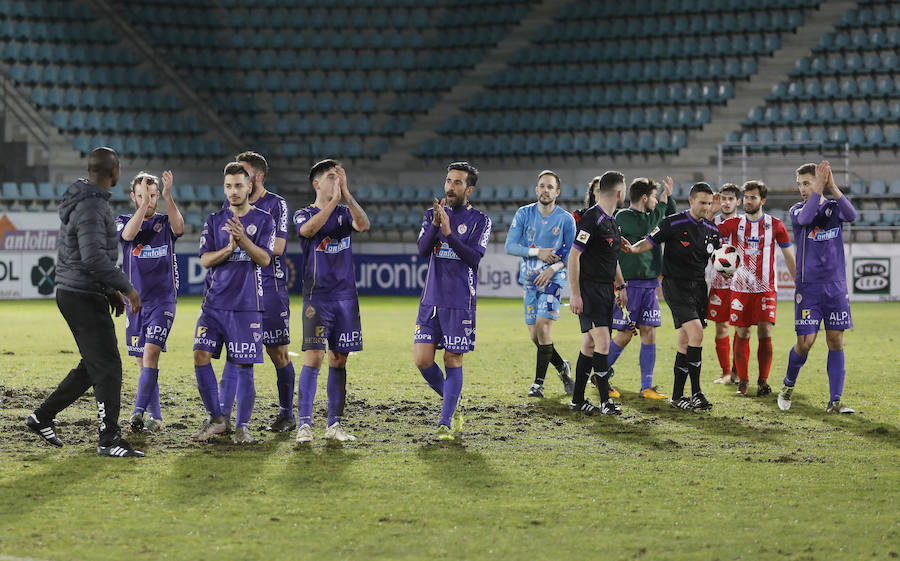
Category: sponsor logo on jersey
[134,340]
[737,305]
[201,331]
[455,341]
[685,243]
[149,252]
[241,350]
[804,314]
[334,246]
[444,251]
[350,337]
[818,235]
[239,255]
[320,330]
[486,236]
[839,317]
[583,236]
[157,332]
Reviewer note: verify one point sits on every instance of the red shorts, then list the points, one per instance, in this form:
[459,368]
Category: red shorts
[749,308]
[719,304]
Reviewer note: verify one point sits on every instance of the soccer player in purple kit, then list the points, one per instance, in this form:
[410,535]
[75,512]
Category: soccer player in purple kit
[276,309]
[330,302]
[235,244]
[821,283]
[148,255]
[454,236]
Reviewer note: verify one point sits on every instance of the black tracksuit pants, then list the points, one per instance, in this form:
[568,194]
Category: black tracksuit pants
[89,320]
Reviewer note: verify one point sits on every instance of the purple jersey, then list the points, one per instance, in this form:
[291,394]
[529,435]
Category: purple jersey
[818,234]
[453,265]
[236,283]
[273,273]
[327,256]
[149,259]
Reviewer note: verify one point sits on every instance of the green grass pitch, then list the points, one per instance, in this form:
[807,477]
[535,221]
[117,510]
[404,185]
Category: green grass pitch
[528,481]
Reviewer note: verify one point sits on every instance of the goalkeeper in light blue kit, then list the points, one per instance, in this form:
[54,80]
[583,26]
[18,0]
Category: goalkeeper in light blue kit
[541,234]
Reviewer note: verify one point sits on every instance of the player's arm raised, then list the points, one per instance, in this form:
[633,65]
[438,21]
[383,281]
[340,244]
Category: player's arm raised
[133,226]
[176,220]
[813,204]
[361,221]
[846,211]
[428,234]
[312,226]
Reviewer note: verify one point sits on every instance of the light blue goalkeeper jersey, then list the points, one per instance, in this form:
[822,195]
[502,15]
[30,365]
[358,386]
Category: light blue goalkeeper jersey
[529,229]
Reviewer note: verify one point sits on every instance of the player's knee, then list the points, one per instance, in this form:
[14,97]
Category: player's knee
[313,358]
[337,360]
[452,360]
[279,355]
[202,358]
[835,340]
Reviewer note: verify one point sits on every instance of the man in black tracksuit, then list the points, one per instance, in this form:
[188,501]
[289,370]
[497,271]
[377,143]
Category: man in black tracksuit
[88,287]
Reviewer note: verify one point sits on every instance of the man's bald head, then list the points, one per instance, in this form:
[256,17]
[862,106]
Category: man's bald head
[103,166]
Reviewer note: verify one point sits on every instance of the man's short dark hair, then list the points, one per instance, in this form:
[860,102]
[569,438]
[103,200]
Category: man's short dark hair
[701,187]
[807,169]
[731,188]
[255,159]
[757,185]
[235,168]
[151,179]
[321,167]
[471,172]
[553,173]
[641,186]
[606,181]
[103,161]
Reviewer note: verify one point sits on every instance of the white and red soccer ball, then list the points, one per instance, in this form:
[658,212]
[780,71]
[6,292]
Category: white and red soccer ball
[726,259]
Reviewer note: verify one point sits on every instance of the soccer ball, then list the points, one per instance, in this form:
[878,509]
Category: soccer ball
[726,259]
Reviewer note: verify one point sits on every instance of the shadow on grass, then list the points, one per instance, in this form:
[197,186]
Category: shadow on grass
[54,476]
[858,424]
[452,464]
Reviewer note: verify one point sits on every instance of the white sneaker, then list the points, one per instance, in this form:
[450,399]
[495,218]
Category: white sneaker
[838,407]
[336,432]
[210,428]
[304,433]
[242,435]
[784,397]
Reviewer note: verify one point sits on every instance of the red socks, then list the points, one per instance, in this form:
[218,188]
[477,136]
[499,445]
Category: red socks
[764,356]
[742,356]
[722,351]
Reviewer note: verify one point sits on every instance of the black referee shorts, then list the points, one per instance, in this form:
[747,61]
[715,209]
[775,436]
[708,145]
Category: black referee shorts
[598,299]
[687,299]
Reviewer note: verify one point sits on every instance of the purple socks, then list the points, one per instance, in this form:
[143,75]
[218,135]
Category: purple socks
[452,388]
[614,352]
[647,361]
[285,382]
[795,363]
[209,391]
[228,388]
[147,383]
[306,393]
[246,393]
[434,377]
[835,366]
[337,390]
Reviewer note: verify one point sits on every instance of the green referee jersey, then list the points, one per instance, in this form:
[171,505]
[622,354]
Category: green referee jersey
[635,225]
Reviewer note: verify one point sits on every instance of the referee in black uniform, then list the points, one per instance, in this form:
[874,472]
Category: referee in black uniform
[690,239]
[593,274]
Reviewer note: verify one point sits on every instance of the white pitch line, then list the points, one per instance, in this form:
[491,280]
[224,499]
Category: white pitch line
[11,558]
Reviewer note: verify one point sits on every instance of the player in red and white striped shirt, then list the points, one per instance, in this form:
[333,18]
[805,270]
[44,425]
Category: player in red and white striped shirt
[756,235]
[720,289]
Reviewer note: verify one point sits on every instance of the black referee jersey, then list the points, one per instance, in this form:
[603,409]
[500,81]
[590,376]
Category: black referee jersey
[599,241]
[689,243]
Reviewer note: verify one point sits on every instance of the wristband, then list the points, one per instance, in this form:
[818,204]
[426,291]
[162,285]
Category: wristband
[533,252]
[621,287]
[558,266]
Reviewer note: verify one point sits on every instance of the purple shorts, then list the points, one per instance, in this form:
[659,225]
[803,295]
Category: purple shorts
[239,332]
[643,305]
[276,318]
[446,328]
[332,324]
[818,302]
[151,325]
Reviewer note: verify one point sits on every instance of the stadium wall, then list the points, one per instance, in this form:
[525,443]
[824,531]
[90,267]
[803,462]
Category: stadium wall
[28,257]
